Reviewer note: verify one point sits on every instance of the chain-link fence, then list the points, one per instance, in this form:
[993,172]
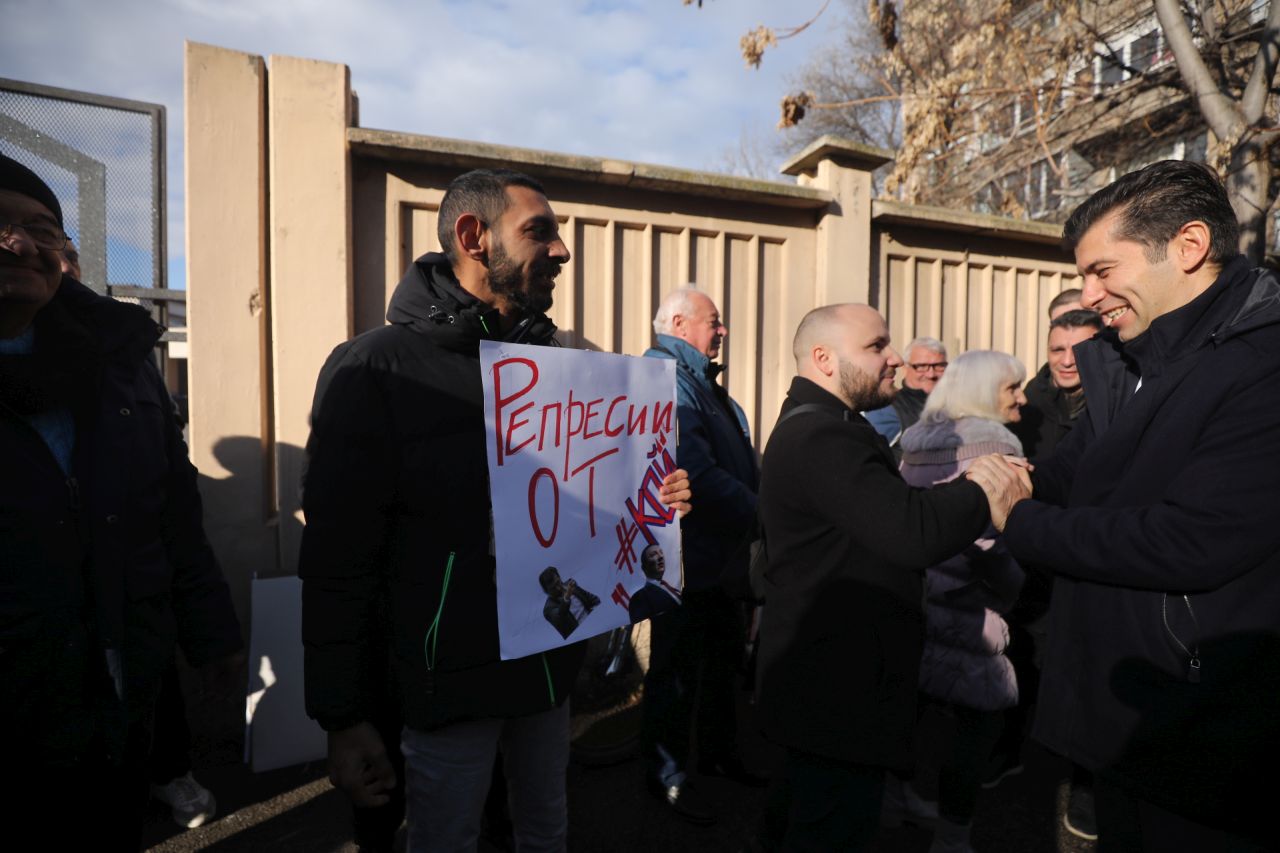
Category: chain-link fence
[105,160]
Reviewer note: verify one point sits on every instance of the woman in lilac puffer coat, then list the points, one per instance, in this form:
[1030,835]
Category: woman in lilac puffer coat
[964,667]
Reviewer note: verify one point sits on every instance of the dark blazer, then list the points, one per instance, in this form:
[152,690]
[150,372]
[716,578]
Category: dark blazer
[1158,515]
[848,542]
[559,612]
[650,600]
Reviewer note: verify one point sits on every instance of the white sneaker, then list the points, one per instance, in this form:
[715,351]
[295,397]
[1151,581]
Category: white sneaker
[192,803]
[901,804]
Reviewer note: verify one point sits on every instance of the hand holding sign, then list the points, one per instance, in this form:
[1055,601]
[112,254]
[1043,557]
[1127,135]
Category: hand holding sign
[677,492]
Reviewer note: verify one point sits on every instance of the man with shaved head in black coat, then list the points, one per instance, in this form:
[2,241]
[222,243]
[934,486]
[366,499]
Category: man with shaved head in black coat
[848,542]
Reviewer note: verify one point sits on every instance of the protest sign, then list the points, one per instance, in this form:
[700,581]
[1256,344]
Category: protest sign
[578,444]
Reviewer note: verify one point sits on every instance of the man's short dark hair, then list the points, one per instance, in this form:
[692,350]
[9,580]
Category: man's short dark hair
[548,578]
[1157,201]
[1071,294]
[482,192]
[1080,318]
[649,557]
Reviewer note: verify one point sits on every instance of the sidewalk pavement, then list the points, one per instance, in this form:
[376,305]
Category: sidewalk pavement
[295,809]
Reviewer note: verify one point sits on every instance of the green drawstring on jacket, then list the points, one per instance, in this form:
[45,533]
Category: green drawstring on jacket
[551,690]
[433,632]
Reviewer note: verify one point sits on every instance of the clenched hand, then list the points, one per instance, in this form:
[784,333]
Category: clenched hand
[1005,480]
[358,764]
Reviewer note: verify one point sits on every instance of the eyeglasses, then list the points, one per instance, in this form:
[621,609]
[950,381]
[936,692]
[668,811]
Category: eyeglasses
[44,236]
[936,367]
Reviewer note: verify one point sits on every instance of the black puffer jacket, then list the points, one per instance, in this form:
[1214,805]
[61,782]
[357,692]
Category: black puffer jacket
[1158,516]
[101,569]
[397,498]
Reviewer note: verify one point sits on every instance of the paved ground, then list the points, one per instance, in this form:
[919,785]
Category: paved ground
[295,809]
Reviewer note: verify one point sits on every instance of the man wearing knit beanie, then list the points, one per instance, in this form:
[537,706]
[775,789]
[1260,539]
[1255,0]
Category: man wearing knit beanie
[32,240]
[103,559]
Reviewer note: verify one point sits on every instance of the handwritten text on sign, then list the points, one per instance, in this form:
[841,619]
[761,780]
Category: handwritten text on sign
[578,444]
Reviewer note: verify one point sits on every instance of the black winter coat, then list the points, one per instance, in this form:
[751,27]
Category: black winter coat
[1046,419]
[1159,516]
[103,569]
[848,542]
[397,500]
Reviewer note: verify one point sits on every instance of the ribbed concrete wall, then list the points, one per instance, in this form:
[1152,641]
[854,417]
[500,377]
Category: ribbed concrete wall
[299,228]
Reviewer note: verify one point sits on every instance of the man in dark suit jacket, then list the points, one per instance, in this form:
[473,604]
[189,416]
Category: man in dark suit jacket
[567,603]
[656,596]
[847,542]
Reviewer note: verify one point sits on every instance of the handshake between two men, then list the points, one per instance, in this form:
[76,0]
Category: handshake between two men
[1005,480]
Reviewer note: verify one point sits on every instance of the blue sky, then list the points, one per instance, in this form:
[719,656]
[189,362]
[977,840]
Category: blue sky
[647,80]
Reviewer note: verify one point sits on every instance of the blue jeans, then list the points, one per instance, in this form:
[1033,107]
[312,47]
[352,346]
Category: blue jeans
[448,771]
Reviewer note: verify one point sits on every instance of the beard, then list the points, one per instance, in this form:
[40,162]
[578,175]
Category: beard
[507,279]
[862,389]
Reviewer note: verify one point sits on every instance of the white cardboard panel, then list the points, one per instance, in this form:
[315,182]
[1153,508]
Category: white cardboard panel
[278,732]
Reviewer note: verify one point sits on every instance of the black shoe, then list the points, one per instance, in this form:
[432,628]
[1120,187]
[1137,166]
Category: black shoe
[1080,819]
[1001,768]
[684,800]
[731,768]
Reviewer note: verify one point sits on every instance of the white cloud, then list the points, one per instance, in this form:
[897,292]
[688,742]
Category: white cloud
[647,80]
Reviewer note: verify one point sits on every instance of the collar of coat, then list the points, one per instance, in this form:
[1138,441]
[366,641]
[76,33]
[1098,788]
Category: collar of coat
[686,355]
[804,391]
[429,300]
[119,330]
[1239,300]
[74,336]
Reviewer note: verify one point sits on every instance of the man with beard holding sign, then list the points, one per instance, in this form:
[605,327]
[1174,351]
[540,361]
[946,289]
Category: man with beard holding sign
[399,597]
[848,542]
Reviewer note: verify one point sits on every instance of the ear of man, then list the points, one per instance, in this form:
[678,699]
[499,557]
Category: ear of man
[1189,248]
[471,237]
[825,360]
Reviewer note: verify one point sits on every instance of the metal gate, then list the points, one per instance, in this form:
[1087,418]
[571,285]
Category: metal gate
[104,158]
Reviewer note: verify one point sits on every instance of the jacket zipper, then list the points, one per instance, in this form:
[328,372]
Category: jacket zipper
[1192,653]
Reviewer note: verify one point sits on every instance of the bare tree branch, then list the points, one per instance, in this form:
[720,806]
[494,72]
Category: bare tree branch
[788,32]
[1254,100]
[982,98]
[1218,109]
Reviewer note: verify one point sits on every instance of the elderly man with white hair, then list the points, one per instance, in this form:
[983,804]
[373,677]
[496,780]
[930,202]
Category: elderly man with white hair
[701,640]
[925,363]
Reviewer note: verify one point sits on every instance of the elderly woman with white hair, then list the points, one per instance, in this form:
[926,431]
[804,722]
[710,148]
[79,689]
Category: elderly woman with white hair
[964,668]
